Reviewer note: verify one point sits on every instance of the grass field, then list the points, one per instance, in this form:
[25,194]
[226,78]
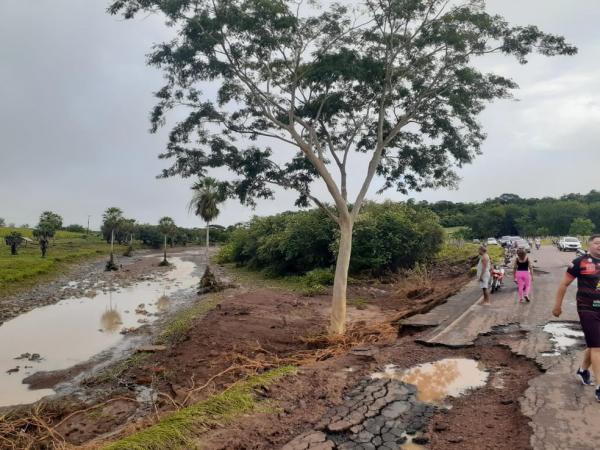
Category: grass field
[28,267]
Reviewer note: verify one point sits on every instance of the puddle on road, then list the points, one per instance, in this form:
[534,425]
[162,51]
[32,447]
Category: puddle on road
[435,381]
[76,329]
[563,336]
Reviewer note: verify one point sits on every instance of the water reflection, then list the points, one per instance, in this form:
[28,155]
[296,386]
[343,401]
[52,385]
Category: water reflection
[438,380]
[163,303]
[110,320]
[67,333]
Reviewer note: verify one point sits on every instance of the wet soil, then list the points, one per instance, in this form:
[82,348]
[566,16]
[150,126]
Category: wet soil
[257,328]
[485,418]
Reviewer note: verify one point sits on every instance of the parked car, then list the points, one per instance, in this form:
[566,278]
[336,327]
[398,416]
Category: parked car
[491,241]
[522,243]
[504,240]
[567,243]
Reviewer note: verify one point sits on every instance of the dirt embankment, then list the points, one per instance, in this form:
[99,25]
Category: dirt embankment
[254,329]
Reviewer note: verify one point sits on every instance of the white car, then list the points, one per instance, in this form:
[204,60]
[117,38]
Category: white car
[492,241]
[567,243]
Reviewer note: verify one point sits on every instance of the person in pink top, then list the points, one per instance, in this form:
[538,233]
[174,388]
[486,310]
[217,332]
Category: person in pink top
[523,273]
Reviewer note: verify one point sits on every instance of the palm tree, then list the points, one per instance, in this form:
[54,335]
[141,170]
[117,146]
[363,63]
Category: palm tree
[167,227]
[112,217]
[206,198]
[14,240]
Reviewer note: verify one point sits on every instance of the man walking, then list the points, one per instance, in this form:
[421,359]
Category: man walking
[586,269]
[483,272]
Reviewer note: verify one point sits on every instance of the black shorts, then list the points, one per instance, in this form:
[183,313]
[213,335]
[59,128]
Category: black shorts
[590,324]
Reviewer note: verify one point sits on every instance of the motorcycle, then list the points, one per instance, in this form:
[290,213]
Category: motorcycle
[497,278]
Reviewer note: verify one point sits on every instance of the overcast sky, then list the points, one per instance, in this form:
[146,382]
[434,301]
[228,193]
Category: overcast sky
[75,96]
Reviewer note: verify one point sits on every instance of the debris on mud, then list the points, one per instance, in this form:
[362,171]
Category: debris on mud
[30,356]
[210,283]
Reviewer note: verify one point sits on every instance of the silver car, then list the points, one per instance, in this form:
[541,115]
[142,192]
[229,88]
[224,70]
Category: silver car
[522,243]
[568,243]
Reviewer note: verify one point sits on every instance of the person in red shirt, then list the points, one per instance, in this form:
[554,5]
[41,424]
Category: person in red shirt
[586,269]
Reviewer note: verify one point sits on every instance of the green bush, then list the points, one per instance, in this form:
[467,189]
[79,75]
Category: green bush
[387,237]
[320,276]
[391,236]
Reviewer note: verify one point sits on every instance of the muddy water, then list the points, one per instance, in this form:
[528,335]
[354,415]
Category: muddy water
[76,329]
[563,336]
[438,380]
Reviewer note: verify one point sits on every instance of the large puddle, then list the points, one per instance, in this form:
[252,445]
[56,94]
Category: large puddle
[437,380]
[72,331]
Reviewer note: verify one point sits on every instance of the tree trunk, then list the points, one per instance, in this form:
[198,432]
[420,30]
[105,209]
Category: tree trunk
[165,248]
[207,242]
[340,282]
[112,243]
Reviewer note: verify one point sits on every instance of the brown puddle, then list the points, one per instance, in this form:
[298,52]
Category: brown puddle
[76,329]
[437,380]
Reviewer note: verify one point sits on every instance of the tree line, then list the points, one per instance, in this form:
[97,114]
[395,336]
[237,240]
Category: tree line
[509,214]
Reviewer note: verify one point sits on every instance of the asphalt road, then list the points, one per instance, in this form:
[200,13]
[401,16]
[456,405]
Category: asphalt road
[564,414]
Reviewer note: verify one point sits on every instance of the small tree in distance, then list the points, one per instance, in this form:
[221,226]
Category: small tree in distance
[208,193]
[14,241]
[112,218]
[167,227]
[393,80]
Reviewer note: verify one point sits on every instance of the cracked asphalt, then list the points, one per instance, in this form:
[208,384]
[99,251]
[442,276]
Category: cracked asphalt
[377,414]
[564,414]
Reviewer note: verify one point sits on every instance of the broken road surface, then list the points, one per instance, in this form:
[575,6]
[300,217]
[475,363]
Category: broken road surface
[563,413]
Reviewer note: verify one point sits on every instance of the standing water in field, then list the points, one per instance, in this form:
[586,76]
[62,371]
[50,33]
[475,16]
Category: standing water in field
[72,331]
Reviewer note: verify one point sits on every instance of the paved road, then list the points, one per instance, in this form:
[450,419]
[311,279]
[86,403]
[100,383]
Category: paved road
[563,413]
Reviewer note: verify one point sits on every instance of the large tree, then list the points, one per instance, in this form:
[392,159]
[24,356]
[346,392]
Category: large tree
[207,194]
[393,80]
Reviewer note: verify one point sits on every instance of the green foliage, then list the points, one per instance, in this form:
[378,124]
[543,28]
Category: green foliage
[391,236]
[48,225]
[2,222]
[510,214]
[74,228]
[208,193]
[14,241]
[28,269]
[386,237]
[285,243]
[150,235]
[338,72]
[581,227]
[167,226]
[176,431]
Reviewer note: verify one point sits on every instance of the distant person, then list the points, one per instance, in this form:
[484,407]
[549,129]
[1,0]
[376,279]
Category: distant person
[538,243]
[484,268]
[586,269]
[523,273]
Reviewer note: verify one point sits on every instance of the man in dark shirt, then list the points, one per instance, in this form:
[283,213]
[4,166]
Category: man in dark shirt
[586,269]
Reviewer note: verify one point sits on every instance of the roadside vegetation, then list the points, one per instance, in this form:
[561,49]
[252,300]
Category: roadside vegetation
[179,429]
[509,214]
[27,268]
